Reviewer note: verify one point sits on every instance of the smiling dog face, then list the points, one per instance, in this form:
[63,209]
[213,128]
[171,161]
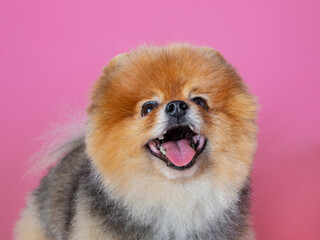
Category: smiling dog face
[172,113]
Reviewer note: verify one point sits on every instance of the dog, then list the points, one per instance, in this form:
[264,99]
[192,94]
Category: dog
[167,154]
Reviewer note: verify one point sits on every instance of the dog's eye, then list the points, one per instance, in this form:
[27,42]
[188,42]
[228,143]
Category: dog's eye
[148,107]
[201,102]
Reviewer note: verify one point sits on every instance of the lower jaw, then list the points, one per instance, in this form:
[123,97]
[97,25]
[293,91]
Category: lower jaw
[175,173]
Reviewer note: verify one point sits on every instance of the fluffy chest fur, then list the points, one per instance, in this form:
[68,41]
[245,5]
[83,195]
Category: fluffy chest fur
[197,210]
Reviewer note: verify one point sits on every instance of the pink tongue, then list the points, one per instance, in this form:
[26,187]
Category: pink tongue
[180,153]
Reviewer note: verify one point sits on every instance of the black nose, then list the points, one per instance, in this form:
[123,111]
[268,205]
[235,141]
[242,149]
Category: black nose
[177,108]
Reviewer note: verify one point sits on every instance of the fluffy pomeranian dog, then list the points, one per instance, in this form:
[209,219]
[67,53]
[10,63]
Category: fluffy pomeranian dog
[167,154]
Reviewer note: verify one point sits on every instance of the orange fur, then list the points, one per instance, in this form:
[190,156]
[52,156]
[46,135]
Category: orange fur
[174,72]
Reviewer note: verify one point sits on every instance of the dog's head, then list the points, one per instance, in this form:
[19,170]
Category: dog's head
[172,113]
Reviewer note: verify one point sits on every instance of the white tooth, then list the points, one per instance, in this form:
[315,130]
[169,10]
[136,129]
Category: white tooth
[196,138]
[163,150]
[161,137]
[191,128]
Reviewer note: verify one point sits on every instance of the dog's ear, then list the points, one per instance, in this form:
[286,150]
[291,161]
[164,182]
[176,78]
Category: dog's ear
[99,86]
[115,62]
[213,53]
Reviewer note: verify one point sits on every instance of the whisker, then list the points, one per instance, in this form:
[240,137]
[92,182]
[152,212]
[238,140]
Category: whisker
[226,129]
[144,129]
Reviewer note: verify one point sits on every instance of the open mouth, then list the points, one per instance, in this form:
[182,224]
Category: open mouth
[178,147]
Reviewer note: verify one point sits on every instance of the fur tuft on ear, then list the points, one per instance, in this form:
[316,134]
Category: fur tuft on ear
[116,61]
[213,53]
[108,71]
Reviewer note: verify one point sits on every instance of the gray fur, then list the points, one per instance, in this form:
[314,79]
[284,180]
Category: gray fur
[73,184]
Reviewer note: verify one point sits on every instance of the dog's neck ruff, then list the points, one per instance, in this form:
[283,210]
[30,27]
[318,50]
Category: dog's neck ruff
[194,210]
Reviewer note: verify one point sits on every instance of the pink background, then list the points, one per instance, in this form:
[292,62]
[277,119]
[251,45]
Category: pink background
[52,51]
